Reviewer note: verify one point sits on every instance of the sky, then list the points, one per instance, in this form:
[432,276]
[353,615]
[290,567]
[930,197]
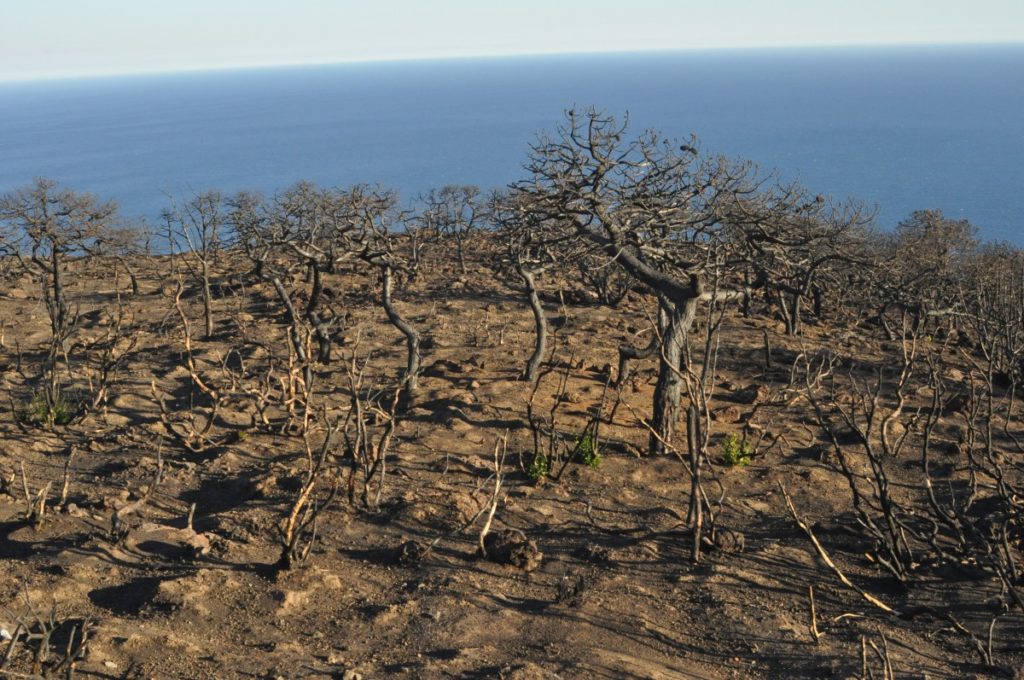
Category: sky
[71,38]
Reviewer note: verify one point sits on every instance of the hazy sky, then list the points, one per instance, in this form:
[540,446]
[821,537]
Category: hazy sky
[47,38]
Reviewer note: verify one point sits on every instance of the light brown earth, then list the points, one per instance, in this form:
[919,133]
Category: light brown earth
[614,595]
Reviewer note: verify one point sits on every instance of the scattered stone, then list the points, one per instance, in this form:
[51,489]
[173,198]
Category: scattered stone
[753,394]
[727,414]
[592,552]
[729,541]
[411,552]
[510,546]
[442,368]
[571,588]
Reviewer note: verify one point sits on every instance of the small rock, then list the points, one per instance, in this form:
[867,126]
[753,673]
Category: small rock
[512,547]
[727,414]
[729,541]
[411,552]
[592,552]
[753,394]
[443,368]
[196,545]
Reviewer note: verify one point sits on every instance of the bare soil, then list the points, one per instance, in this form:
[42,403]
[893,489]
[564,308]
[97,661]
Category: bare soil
[613,593]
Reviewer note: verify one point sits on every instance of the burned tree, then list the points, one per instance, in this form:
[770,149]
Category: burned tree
[661,210]
[370,217]
[454,212]
[990,310]
[528,253]
[196,229]
[308,224]
[918,267]
[124,243]
[46,227]
[249,218]
[793,257]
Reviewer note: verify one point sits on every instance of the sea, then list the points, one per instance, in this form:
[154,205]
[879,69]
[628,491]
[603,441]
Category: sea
[899,128]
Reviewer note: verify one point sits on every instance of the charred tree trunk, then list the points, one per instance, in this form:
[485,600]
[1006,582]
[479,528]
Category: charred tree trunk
[540,325]
[412,338]
[745,308]
[131,274]
[461,253]
[667,391]
[789,308]
[294,334]
[60,327]
[884,322]
[59,305]
[694,439]
[320,328]
[795,323]
[207,299]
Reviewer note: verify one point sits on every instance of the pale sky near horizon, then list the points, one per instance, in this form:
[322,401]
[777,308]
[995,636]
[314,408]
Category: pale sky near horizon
[70,38]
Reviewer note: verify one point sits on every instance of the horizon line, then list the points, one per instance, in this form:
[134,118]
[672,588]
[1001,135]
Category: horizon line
[399,58]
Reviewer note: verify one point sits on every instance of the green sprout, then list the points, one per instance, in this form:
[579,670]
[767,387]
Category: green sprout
[540,467]
[40,412]
[586,451]
[735,451]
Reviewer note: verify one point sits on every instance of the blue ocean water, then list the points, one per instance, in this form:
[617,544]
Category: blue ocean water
[901,128]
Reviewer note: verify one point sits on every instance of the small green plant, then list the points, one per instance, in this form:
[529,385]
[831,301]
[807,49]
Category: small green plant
[586,451]
[539,467]
[41,411]
[735,451]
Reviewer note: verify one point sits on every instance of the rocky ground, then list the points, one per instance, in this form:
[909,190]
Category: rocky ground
[606,589]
